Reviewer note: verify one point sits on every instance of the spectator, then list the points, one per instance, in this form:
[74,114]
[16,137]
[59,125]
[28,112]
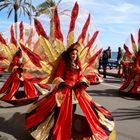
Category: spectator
[109,52]
[119,59]
[105,61]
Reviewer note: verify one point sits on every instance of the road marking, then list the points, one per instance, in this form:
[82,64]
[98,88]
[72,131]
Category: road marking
[109,85]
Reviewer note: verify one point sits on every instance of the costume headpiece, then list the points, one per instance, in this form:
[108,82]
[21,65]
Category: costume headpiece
[74,45]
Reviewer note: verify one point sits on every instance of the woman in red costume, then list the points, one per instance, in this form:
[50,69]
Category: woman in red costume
[126,62]
[51,118]
[131,87]
[10,89]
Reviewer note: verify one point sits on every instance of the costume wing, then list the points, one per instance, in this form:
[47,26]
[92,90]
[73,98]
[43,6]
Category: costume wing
[53,49]
[135,46]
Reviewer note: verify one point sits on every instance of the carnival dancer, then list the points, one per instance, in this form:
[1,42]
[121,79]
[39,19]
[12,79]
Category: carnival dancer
[17,79]
[126,63]
[22,64]
[52,116]
[131,87]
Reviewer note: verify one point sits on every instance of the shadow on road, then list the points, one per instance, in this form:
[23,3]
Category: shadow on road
[106,92]
[15,126]
[127,113]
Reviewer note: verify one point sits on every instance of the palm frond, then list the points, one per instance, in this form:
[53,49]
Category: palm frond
[65,12]
[21,1]
[2,7]
[58,2]
[4,1]
[43,5]
[9,13]
[43,11]
[10,7]
[21,11]
[27,11]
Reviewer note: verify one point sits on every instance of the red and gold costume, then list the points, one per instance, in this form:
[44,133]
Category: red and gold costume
[126,62]
[131,87]
[22,63]
[52,116]
[32,86]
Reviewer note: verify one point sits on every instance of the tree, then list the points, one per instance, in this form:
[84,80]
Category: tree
[17,6]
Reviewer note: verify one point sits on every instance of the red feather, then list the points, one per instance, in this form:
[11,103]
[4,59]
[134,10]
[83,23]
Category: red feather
[29,40]
[21,27]
[33,56]
[39,28]
[128,53]
[91,41]
[89,44]
[74,15]
[57,30]
[93,58]
[2,40]
[12,39]
[84,30]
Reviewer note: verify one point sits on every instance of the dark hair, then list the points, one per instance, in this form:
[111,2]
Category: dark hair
[67,59]
[66,55]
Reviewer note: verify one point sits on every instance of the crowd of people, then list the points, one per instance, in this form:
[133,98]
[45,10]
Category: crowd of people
[128,69]
[122,60]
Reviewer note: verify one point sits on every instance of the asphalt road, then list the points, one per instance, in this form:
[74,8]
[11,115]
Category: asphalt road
[126,112]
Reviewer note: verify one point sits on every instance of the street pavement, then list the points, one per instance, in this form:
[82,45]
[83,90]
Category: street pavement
[126,112]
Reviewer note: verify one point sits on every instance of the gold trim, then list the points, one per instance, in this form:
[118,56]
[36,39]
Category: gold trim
[128,87]
[110,124]
[57,80]
[59,98]
[40,89]
[85,95]
[84,79]
[113,135]
[43,130]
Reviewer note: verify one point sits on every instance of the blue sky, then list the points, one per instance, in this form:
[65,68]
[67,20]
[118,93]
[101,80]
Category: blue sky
[115,19]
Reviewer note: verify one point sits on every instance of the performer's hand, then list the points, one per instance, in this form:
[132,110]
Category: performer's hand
[63,85]
[83,85]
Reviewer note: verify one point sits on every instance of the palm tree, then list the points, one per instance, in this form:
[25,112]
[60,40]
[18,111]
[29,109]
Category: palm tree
[17,6]
[48,8]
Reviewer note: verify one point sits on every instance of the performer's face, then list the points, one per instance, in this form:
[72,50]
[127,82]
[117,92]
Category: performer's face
[73,55]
